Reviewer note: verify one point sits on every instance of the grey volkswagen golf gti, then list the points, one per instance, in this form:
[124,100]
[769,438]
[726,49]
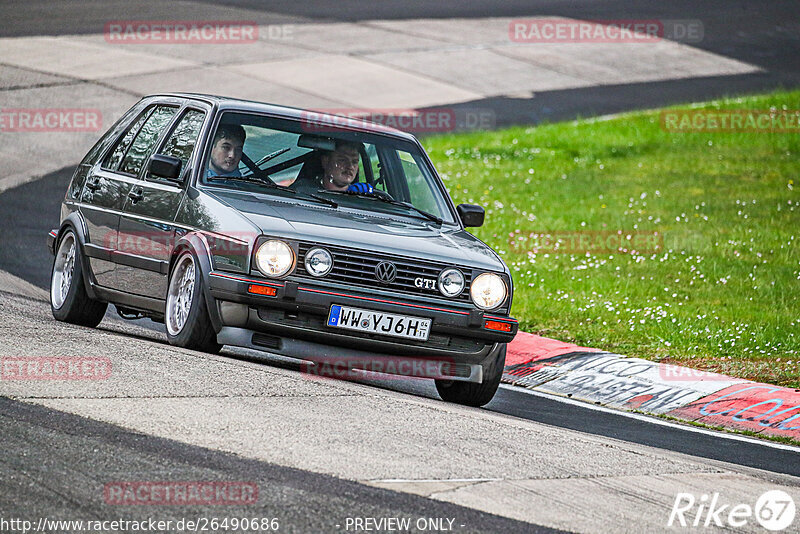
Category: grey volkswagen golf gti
[309,235]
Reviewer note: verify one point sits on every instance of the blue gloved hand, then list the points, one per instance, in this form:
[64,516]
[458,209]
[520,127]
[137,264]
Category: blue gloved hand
[361,187]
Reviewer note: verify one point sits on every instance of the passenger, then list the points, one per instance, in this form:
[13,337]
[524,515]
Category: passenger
[226,151]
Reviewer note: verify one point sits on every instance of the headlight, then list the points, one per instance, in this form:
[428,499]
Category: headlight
[318,262]
[488,291]
[451,282]
[274,258]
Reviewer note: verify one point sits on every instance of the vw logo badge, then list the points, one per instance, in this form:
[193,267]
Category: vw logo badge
[386,272]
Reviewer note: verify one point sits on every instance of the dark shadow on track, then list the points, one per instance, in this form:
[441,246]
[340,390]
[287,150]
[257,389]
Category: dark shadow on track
[29,212]
[56,465]
[568,104]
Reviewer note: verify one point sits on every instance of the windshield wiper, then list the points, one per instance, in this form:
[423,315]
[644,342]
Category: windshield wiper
[427,215]
[273,185]
[389,200]
[252,179]
[297,193]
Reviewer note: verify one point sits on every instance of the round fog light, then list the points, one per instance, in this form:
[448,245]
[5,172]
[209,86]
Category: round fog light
[318,262]
[451,282]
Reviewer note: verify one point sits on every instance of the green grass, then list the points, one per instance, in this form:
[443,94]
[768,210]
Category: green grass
[724,292]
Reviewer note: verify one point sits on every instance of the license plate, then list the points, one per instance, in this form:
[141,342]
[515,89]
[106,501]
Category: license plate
[387,324]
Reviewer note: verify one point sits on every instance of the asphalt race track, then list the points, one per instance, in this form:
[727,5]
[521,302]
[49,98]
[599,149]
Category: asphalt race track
[18,257]
[46,440]
[322,453]
[38,425]
[759,33]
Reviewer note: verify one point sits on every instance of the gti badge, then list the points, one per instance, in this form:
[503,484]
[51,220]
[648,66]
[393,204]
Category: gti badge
[425,283]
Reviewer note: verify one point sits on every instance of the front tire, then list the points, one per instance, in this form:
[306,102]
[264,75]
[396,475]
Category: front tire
[186,312]
[69,300]
[470,393]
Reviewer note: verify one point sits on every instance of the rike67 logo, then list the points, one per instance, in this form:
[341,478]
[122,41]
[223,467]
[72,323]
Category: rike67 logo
[774,510]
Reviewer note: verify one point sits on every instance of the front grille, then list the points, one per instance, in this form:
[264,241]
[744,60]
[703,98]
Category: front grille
[357,267]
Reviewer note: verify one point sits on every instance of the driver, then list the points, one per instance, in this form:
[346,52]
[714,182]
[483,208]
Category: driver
[226,151]
[338,169]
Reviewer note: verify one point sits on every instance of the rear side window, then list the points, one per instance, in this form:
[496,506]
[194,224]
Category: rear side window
[121,148]
[183,138]
[111,135]
[145,140]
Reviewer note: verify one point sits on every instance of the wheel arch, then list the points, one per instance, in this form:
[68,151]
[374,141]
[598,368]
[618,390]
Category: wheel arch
[74,221]
[196,243]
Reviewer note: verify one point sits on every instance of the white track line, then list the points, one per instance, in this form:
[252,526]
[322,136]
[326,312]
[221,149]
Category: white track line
[415,480]
[653,420]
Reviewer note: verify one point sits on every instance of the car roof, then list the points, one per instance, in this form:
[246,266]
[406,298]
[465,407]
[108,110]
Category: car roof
[332,119]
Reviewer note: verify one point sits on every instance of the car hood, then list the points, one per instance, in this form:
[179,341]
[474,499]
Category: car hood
[394,235]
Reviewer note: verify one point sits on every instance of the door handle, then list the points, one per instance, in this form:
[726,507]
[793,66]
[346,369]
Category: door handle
[93,184]
[136,195]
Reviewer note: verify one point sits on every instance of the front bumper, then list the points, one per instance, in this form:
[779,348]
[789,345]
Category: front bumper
[299,310]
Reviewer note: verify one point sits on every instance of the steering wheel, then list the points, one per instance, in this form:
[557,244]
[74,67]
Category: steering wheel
[363,188]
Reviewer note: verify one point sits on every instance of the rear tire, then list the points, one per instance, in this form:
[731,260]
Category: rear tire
[69,300]
[470,393]
[186,311]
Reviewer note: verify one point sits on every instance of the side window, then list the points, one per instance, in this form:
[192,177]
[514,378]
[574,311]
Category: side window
[111,135]
[115,156]
[143,143]
[183,138]
[419,188]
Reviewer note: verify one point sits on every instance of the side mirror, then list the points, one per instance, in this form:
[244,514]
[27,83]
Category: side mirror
[165,167]
[471,215]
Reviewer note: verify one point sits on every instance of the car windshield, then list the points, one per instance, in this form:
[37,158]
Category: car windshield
[302,160]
